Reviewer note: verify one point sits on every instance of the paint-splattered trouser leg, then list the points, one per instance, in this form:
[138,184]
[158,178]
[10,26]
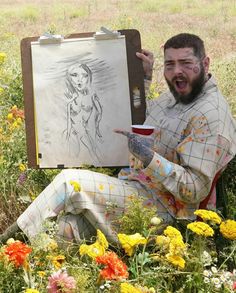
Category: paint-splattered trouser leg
[81,213]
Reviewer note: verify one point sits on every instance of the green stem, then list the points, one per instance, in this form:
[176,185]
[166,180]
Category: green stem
[229,256]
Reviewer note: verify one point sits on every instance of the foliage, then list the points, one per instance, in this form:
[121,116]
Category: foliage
[166,262]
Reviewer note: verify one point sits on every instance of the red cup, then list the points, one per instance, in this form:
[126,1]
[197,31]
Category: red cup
[142,129]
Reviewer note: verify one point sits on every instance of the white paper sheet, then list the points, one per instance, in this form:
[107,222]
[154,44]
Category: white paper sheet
[81,93]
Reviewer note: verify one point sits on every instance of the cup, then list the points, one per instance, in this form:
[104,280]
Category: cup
[135,164]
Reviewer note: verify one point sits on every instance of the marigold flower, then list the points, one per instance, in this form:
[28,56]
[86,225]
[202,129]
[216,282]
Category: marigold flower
[128,288]
[114,269]
[58,261]
[75,185]
[61,282]
[96,249]
[129,242]
[17,252]
[176,260]
[172,232]
[228,229]
[206,215]
[201,228]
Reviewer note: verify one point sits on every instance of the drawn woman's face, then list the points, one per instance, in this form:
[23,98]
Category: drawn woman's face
[79,78]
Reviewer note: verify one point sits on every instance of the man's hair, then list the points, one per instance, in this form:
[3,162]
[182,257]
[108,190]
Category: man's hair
[185,40]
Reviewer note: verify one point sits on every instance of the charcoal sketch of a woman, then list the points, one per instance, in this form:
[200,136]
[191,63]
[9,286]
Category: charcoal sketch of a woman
[84,112]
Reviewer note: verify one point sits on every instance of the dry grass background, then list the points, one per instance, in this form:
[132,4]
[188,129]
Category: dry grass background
[213,20]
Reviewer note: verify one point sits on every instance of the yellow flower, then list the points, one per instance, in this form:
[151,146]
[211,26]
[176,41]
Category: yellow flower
[128,288]
[101,239]
[172,232]
[2,57]
[22,167]
[14,125]
[92,250]
[41,274]
[76,185]
[31,291]
[228,229]
[201,228]
[19,121]
[206,215]
[58,261]
[176,260]
[177,246]
[129,242]
[163,241]
[96,249]
[10,116]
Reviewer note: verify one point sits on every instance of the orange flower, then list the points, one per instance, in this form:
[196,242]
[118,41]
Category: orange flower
[17,252]
[114,269]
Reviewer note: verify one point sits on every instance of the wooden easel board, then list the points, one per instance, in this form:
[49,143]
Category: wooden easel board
[75,93]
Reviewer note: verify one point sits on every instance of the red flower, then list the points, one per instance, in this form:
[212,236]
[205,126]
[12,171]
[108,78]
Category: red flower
[114,269]
[17,252]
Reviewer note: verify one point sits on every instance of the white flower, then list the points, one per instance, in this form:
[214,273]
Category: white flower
[234,272]
[214,270]
[223,278]
[206,280]
[216,282]
[207,273]
[206,258]
[155,221]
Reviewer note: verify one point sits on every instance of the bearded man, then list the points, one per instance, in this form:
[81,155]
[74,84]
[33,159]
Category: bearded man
[194,139]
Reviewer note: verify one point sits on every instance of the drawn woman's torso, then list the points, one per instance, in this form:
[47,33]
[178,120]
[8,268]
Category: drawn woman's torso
[81,109]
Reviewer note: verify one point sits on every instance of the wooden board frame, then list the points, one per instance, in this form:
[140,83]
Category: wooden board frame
[136,80]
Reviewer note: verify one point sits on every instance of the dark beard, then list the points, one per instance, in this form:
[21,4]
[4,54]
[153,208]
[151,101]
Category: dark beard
[197,86]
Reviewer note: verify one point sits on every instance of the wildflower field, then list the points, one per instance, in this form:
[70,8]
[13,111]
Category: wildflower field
[190,257]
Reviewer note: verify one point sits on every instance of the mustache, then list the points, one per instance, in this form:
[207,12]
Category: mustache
[178,77]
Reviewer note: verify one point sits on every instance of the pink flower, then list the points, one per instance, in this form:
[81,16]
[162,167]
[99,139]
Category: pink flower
[234,285]
[61,282]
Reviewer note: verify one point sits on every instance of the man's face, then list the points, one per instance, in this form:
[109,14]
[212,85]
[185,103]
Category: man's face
[184,73]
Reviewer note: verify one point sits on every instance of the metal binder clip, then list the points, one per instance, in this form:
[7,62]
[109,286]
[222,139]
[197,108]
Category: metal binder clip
[106,34]
[48,38]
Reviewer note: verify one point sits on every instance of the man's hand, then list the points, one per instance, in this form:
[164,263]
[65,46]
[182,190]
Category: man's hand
[148,61]
[139,146]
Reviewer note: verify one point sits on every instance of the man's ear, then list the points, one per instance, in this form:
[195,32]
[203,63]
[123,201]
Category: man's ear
[206,64]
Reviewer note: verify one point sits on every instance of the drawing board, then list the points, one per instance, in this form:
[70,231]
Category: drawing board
[76,92]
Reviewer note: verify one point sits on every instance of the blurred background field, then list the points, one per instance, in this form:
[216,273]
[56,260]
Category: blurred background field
[213,20]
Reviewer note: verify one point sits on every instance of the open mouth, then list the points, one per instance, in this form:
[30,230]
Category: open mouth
[180,84]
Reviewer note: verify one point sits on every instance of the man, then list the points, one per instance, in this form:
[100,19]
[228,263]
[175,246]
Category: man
[194,140]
